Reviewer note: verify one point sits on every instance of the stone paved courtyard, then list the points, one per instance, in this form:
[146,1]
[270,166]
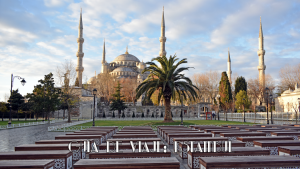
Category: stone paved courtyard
[10,138]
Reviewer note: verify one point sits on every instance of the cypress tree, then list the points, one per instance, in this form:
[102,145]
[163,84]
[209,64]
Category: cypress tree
[225,89]
[240,84]
[117,102]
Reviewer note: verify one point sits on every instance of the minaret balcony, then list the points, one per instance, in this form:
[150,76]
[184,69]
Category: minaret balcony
[261,67]
[78,54]
[162,39]
[261,52]
[79,69]
[80,40]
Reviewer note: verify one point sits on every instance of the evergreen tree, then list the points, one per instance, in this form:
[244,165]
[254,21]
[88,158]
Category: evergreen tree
[242,100]
[77,82]
[240,84]
[113,115]
[133,115]
[225,89]
[3,109]
[225,93]
[117,102]
[143,114]
[16,100]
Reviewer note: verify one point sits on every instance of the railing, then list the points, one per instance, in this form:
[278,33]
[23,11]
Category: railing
[66,126]
[23,125]
[144,118]
[261,117]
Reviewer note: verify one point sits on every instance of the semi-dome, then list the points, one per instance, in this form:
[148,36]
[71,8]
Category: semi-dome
[126,57]
[123,69]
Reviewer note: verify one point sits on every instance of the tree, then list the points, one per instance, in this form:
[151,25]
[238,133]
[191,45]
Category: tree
[117,102]
[169,80]
[16,100]
[225,92]
[240,84]
[242,100]
[129,85]
[3,109]
[256,91]
[289,76]
[66,75]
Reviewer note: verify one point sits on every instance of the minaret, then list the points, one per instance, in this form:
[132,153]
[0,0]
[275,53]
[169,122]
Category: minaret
[229,72]
[80,54]
[103,68]
[261,61]
[162,37]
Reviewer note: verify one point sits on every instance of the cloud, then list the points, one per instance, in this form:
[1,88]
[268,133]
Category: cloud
[56,3]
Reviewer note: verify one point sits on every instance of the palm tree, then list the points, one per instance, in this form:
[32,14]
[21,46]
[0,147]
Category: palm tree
[168,80]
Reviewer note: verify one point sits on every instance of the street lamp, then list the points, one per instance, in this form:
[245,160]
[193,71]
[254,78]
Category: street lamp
[94,93]
[298,109]
[244,109]
[11,86]
[271,103]
[267,98]
[218,96]
[181,99]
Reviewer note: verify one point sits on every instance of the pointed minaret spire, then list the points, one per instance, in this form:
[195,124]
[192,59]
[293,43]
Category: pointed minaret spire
[126,50]
[261,58]
[103,53]
[80,54]
[162,38]
[229,72]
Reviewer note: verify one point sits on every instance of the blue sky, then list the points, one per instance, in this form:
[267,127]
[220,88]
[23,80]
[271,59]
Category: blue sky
[36,36]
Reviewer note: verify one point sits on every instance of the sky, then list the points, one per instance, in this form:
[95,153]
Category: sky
[36,36]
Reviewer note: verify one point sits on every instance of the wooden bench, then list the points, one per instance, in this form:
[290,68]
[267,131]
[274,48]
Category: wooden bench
[216,133]
[233,136]
[171,136]
[286,133]
[260,128]
[102,154]
[97,138]
[218,129]
[182,148]
[166,133]
[289,151]
[62,141]
[249,162]
[27,164]
[273,145]
[193,157]
[127,146]
[130,136]
[293,128]
[77,149]
[126,140]
[104,135]
[268,132]
[129,163]
[62,159]
[163,132]
[249,140]
[160,128]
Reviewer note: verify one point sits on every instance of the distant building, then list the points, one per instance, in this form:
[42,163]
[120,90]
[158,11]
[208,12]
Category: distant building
[288,101]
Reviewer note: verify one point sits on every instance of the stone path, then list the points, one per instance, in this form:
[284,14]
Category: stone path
[11,138]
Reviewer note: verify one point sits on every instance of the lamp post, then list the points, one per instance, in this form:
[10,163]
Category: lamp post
[94,93]
[271,103]
[298,110]
[218,96]
[244,109]
[181,108]
[267,98]
[91,111]
[11,86]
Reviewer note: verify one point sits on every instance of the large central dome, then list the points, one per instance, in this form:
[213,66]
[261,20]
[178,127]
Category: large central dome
[126,57]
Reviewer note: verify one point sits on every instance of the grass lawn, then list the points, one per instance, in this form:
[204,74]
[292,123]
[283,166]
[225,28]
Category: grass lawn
[2,123]
[156,122]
